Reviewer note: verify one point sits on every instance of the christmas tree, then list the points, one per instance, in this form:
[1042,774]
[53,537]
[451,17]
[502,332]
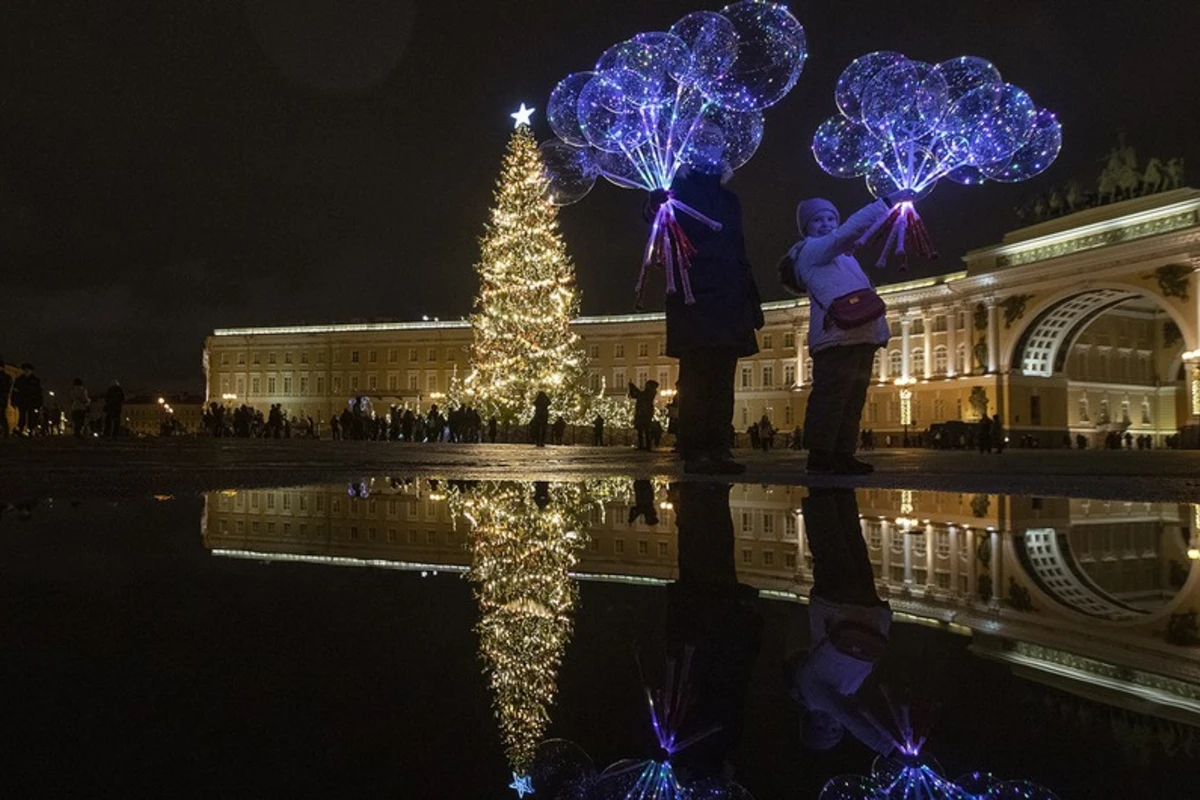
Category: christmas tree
[524,541]
[522,340]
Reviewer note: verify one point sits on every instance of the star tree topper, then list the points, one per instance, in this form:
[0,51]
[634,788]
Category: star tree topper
[522,783]
[522,116]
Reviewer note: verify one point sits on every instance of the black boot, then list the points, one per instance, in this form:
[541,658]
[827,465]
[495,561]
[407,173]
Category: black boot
[821,462]
[847,464]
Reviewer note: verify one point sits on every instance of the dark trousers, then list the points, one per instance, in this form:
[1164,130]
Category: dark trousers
[26,419]
[112,423]
[841,566]
[78,420]
[841,376]
[706,401]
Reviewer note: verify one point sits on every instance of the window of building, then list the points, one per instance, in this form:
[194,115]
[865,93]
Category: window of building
[895,363]
[431,354]
[287,384]
[747,522]
[354,383]
[353,356]
[768,558]
[224,359]
[412,354]
[789,560]
[939,359]
[1145,412]
[337,383]
[787,415]
[256,358]
[255,386]
[619,378]
[768,523]
[747,377]
[747,556]
[789,375]
[768,376]
[287,358]
[372,356]
[664,377]
[618,350]
[643,350]
[372,382]
[320,356]
[593,381]
[593,351]
[393,382]
[662,347]
[270,358]
[413,381]
[320,384]
[431,383]
[662,549]
[241,358]
[643,375]
[241,386]
[1125,412]
[918,363]
[768,341]
[618,545]
[643,547]
[392,355]
[789,340]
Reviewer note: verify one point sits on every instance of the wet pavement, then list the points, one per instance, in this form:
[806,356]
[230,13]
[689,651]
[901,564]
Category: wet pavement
[63,466]
[443,634]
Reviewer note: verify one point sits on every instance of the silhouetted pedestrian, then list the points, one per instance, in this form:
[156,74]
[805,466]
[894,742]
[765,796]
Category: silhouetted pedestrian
[80,402]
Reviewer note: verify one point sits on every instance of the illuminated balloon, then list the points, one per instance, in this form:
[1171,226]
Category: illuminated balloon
[904,101]
[771,50]
[845,148]
[854,79]
[570,171]
[1038,152]
[995,120]
[562,111]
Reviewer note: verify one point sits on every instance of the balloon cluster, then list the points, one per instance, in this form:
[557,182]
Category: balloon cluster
[894,780]
[905,124]
[693,95]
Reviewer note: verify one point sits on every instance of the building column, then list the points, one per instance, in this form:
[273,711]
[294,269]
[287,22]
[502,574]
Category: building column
[972,576]
[952,533]
[801,541]
[905,347]
[997,589]
[993,337]
[927,327]
[951,343]
[930,559]
[885,551]
[884,361]
[801,353]
[908,557]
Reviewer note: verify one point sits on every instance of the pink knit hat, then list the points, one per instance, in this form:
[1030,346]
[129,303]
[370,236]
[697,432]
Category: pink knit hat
[809,209]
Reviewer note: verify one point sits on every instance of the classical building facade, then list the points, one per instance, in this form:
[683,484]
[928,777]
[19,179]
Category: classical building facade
[1075,593]
[1079,326]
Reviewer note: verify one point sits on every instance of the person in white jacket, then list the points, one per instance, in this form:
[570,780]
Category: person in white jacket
[849,626]
[823,265]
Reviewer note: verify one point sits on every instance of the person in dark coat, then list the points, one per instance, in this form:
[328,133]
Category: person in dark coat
[643,411]
[492,422]
[6,383]
[714,624]
[598,431]
[114,402]
[997,433]
[541,419]
[711,334]
[27,399]
[983,434]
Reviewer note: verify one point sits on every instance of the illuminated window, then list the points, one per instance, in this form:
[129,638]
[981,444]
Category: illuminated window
[618,350]
[789,340]
[643,350]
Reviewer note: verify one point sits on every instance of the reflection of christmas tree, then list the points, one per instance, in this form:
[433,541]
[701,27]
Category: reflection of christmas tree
[522,340]
[524,540]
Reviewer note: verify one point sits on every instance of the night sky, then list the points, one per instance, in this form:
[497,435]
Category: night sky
[171,167]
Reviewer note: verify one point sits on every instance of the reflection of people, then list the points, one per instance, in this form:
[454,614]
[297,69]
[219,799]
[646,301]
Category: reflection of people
[643,502]
[711,334]
[717,619]
[848,623]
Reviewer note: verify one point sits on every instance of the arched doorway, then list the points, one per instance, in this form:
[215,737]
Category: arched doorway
[1104,356]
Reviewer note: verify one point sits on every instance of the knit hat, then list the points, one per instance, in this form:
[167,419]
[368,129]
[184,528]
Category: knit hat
[810,208]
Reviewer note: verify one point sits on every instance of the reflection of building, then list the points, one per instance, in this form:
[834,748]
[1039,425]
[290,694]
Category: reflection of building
[1080,325]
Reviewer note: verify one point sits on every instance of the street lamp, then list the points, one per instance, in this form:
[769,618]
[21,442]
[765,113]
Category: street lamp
[906,417]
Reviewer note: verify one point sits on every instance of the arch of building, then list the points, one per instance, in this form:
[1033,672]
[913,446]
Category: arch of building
[1040,350]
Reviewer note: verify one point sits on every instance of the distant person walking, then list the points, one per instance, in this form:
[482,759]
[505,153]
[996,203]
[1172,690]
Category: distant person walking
[114,402]
[541,419]
[6,383]
[997,434]
[983,434]
[80,402]
[643,411]
[27,398]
